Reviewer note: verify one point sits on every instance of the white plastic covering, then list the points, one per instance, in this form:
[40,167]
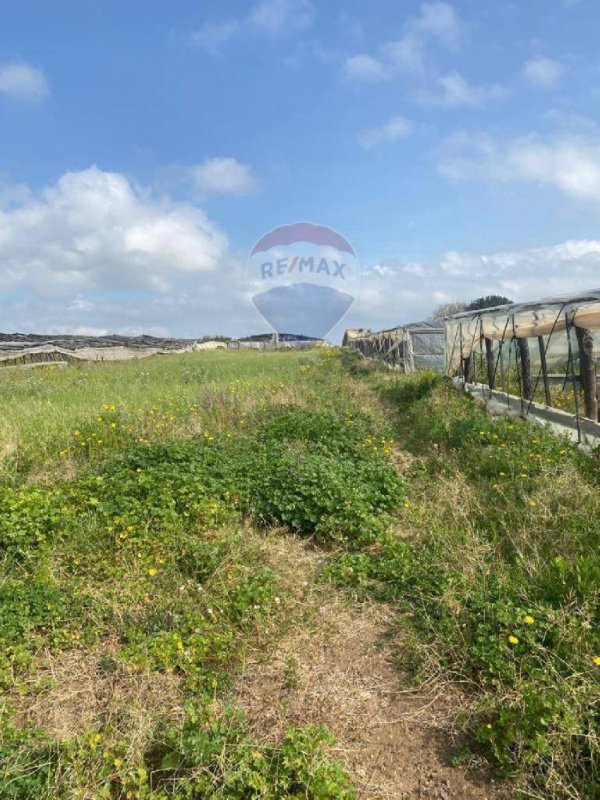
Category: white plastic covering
[549,318]
[409,347]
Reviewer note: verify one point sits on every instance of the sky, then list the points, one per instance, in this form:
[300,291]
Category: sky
[146,146]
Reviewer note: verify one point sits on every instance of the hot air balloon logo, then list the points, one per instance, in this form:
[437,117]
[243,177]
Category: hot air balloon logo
[303,278]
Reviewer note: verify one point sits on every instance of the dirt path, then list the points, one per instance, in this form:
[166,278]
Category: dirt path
[338,670]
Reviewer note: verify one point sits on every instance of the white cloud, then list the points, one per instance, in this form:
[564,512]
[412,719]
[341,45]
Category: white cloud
[569,121]
[275,16]
[569,163]
[212,36]
[81,304]
[397,292]
[23,81]
[404,55]
[92,253]
[453,91]
[570,266]
[440,21]
[542,72]
[222,176]
[93,229]
[82,330]
[269,17]
[397,128]
[437,24]
[363,67]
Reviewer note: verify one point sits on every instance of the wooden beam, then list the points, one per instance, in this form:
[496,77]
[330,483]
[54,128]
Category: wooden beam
[491,366]
[468,369]
[523,346]
[544,364]
[587,361]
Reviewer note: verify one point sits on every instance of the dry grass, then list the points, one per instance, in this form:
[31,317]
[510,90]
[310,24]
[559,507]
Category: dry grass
[340,669]
[76,691]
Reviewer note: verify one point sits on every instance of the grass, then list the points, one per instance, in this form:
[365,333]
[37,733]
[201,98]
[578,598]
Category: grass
[498,570]
[131,533]
[136,504]
[151,399]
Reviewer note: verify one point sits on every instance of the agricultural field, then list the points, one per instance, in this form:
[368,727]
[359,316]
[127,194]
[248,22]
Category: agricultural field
[248,575]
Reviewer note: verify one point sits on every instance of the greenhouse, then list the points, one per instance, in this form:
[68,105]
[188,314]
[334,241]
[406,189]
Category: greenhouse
[537,359]
[410,347]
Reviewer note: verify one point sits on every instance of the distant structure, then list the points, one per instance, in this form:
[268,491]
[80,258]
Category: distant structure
[27,350]
[409,347]
[211,344]
[354,333]
[266,341]
[31,349]
[536,359]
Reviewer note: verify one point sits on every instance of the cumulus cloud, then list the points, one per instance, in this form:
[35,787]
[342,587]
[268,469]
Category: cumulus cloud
[397,128]
[542,72]
[94,229]
[570,163]
[363,67]
[92,252]
[23,81]
[437,24]
[275,16]
[397,292]
[212,36]
[453,91]
[222,176]
[269,17]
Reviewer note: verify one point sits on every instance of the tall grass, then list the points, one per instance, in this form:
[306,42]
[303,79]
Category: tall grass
[153,398]
[133,562]
[498,567]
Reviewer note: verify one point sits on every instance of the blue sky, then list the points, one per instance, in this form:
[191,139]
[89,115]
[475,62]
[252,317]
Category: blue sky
[145,147]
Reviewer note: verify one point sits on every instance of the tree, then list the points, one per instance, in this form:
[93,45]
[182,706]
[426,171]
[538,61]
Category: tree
[447,310]
[489,301]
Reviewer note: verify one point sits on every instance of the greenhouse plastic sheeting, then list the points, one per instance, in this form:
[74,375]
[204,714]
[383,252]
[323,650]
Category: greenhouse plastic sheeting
[549,318]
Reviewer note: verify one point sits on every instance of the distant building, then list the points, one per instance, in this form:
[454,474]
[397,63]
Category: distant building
[211,344]
[264,341]
[408,347]
[354,333]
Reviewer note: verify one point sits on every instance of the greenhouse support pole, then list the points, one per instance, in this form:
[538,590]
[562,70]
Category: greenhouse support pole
[491,366]
[544,365]
[468,369]
[571,364]
[587,361]
[410,355]
[523,346]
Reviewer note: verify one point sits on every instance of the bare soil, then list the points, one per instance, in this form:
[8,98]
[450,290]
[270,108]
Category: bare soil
[341,671]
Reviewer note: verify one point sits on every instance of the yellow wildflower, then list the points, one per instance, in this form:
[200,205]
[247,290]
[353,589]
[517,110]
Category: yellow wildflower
[528,619]
[513,639]
[152,572]
[597,661]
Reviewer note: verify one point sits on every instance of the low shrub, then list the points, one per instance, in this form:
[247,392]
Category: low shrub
[210,756]
[500,579]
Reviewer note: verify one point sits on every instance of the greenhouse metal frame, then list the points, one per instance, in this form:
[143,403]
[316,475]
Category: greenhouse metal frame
[505,355]
[409,347]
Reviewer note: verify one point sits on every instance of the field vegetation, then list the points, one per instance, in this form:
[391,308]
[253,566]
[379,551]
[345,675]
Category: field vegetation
[139,504]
